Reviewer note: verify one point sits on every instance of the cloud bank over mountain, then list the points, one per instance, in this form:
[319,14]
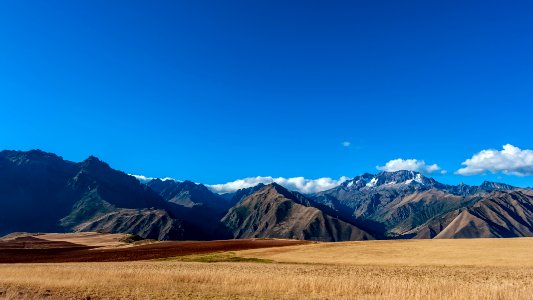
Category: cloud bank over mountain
[145,179]
[299,184]
[410,165]
[510,160]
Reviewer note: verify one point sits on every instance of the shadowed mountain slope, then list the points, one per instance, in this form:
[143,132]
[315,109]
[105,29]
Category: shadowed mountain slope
[188,194]
[41,192]
[152,223]
[241,194]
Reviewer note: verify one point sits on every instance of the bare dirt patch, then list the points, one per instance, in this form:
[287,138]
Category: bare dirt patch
[31,249]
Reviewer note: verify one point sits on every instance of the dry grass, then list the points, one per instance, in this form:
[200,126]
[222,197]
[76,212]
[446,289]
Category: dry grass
[463,252]
[165,280]
[215,257]
[320,276]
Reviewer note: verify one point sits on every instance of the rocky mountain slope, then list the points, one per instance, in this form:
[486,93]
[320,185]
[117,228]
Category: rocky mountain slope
[405,203]
[274,211]
[498,214]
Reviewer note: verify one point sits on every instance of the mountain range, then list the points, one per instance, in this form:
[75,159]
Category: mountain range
[42,192]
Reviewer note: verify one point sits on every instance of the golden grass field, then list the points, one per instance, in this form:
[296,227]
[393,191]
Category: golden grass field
[411,269]
[513,252]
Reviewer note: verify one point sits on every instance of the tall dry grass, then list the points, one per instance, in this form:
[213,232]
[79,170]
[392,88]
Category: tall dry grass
[193,280]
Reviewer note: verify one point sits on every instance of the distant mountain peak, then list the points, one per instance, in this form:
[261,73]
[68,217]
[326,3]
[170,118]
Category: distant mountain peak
[403,177]
[31,156]
[190,183]
[37,152]
[495,186]
[94,160]
[401,174]
[358,181]
[277,188]
[274,185]
[94,163]
[187,193]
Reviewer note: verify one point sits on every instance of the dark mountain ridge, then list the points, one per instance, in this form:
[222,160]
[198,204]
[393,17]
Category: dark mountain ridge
[188,194]
[42,192]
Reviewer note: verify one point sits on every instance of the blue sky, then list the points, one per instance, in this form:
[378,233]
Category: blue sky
[214,91]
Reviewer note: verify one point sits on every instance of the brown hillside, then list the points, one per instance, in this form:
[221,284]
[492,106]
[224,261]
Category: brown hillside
[499,214]
[275,212]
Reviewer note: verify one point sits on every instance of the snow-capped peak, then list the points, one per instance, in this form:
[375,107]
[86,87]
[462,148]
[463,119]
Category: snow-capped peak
[372,182]
[418,178]
[389,179]
[350,183]
[396,178]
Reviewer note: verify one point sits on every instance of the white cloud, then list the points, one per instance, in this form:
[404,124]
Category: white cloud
[510,160]
[346,144]
[145,179]
[299,184]
[410,165]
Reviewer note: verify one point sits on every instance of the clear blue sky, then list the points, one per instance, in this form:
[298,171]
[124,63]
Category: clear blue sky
[213,91]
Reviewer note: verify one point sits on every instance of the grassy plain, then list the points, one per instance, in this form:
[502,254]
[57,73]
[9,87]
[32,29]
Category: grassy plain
[516,252]
[428,269]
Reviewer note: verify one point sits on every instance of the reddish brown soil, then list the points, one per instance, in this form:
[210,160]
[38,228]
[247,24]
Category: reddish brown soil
[30,242]
[34,250]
